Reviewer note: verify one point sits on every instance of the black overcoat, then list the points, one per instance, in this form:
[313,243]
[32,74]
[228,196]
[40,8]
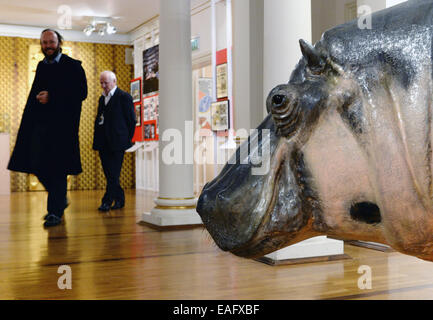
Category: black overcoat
[47,139]
[119,123]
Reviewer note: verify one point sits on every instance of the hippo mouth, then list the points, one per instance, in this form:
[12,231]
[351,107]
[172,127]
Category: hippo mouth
[261,236]
[234,206]
[287,213]
[273,215]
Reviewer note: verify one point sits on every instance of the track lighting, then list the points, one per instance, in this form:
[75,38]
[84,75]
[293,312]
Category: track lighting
[89,29]
[100,25]
[111,29]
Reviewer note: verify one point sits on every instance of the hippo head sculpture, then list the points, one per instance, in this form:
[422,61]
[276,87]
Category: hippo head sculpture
[348,145]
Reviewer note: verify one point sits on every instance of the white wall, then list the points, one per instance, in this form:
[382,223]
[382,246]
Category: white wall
[285,22]
[248,63]
[323,17]
[148,35]
[329,13]
[201,26]
[375,5]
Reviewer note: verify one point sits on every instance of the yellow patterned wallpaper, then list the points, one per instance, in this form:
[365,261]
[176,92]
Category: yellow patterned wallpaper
[14,88]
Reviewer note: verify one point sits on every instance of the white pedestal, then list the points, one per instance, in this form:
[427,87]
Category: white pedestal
[5,182]
[313,248]
[171,218]
[172,212]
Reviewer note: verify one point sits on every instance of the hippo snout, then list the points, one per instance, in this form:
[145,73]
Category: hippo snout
[238,202]
[225,208]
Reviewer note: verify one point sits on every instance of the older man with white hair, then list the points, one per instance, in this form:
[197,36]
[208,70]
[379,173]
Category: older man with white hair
[114,129]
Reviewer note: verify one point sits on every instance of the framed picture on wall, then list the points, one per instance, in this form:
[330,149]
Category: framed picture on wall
[137,107]
[149,128]
[222,81]
[220,115]
[151,70]
[204,98]
[136,90]
[150,107]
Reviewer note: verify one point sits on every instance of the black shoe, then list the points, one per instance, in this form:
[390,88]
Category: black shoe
[66,205]
[118,205]
[52,220]
[104,207]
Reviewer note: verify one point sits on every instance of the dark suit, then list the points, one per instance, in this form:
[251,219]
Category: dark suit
[47,144]
[112,137]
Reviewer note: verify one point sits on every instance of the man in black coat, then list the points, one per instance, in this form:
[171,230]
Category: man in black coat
[47,144]
[114,129]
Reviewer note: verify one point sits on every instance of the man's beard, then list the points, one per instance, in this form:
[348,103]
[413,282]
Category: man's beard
[53,54]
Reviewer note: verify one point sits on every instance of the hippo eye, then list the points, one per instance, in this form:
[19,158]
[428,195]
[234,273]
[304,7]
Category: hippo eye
[284,109]
[278,100]
[315,72]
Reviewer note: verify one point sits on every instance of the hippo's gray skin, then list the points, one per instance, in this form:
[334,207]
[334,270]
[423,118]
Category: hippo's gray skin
[351,146]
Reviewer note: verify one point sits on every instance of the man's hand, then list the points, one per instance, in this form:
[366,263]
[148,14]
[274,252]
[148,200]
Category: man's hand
[43,97]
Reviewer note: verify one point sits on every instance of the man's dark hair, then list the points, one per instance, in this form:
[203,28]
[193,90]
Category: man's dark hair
[59,36]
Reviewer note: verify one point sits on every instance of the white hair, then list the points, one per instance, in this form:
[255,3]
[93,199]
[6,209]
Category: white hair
[111,75]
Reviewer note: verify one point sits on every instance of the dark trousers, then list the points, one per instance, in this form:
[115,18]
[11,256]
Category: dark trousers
[56,186]
[112,165]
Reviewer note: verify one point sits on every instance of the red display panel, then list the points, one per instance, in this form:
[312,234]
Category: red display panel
[138,133]
[221,60]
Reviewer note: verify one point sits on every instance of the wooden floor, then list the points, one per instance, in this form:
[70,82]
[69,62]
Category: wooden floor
[113,257]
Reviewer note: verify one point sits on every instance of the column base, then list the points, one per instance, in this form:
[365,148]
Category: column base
[171,218]
[172,212]
[311,250]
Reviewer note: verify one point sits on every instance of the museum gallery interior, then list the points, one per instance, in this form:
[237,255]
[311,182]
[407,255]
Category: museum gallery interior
[281,151]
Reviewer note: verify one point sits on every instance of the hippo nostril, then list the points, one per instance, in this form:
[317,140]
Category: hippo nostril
[278,100]
[366,212]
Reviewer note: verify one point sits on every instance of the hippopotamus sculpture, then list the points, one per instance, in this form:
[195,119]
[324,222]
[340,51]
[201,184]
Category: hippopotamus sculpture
[350,146]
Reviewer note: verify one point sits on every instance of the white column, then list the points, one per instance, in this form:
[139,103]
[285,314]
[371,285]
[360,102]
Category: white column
[285,22]
[247,63]
[176,202]
[214,79]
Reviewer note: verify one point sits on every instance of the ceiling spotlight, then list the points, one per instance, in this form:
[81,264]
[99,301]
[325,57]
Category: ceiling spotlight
[89,29]
[110,28]
[101,31]
[100,25]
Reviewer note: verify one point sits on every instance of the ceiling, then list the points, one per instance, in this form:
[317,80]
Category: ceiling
[127,14]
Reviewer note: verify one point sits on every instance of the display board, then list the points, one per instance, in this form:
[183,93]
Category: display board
[220,115]
[137,98]
[204,102]
[151,70]
[136,90]
[220,110]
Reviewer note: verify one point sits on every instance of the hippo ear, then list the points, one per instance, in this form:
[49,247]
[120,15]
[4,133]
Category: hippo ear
[314,61]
